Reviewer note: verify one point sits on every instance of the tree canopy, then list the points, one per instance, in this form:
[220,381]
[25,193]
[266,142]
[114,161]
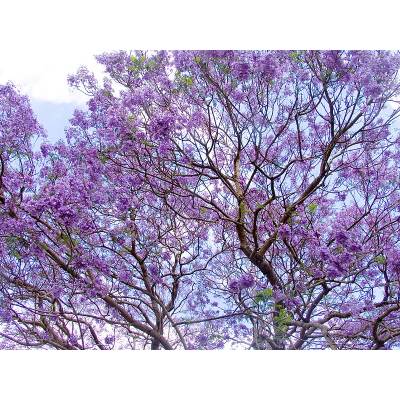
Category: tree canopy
[207,200]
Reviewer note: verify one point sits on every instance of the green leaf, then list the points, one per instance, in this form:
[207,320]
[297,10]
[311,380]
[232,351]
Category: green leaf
[14,243]
[151,64]
[131,118]
[295,56]
[381,259]
[339,250]
[103,157]
[107,93]
[15,253]
[137,63]
[147,143]
[197,59]
[188,80]
[312,208]
[263,295]
[225,69]
[282,320]
[183,81]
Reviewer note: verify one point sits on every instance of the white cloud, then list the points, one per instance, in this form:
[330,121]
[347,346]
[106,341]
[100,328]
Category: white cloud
[42,42]
[39,53]
[43,79]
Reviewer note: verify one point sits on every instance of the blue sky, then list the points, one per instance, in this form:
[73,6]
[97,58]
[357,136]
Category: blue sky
[53,116]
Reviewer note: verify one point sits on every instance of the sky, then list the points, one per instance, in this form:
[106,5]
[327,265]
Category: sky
[53,116]
[43,41]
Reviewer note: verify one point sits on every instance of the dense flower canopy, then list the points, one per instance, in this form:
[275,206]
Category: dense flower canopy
[205,200]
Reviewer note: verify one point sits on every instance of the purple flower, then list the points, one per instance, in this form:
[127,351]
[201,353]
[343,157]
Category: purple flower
[57,291]
[246,281]
[234,286]
[341,238]
[394,261]
[154,270]
[332,271]
[241,70]
[109,339]
[335,268]
[125,275]
[284,232]
[354,248]
[202,339]
[344,258]
[73,340]
[324,254]
[5,315]
[268,67]
[44,148]
[162,126]
[220,53]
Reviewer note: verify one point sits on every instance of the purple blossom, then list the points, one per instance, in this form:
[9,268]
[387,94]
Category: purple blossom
[241,70]
[162,126]
[73,340]
[341,238]
[234,286]
[324,254]
[354,248]
[246,281]
[284,232]
[109,340]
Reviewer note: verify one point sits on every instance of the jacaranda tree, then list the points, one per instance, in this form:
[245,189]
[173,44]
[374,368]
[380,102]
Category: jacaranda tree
[204,200]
